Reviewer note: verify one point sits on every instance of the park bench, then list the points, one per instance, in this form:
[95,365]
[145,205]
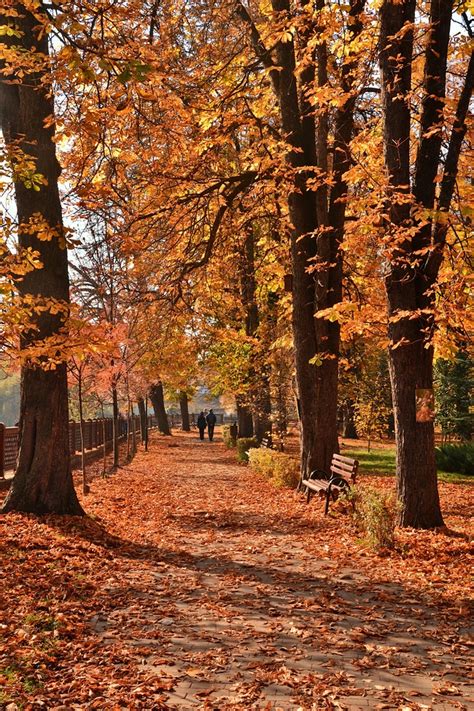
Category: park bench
[342,475]
[266,443]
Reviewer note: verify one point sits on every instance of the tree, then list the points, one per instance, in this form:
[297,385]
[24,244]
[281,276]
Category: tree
[184,408]
[158,402]
[317,195]
[43,481]
[416,230]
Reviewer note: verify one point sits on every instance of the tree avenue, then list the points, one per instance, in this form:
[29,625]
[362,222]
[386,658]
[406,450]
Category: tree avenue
[265,198]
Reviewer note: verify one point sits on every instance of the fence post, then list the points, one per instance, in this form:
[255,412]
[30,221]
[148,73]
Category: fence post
[87,434]
[2,450]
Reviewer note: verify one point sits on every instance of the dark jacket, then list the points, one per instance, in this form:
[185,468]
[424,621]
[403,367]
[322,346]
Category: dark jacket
[201,422]
[211,419]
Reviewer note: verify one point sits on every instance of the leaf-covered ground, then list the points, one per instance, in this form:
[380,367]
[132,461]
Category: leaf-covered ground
[194,583]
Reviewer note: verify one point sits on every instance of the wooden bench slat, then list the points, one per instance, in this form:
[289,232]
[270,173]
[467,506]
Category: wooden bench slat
[344,465]
[344,468]
[347,460]
[339,472]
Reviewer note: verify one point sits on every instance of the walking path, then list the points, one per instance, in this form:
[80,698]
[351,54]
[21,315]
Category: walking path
[241,611]
[206,588]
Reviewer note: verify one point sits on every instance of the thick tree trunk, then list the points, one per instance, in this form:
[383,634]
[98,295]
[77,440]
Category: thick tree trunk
[316,341]
[43,481]
[244,419]
[183,406]
[317,445]
[410,279]
[411,367]
[158,402]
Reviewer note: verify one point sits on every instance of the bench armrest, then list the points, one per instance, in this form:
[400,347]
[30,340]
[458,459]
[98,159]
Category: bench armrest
[339,481]
[320,474]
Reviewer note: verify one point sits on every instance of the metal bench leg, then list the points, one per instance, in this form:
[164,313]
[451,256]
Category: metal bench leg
[328,496]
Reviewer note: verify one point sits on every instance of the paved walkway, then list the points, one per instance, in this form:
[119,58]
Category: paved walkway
[238,610]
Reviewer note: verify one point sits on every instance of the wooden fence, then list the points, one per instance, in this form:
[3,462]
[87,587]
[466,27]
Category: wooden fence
[94,431]
[93,435]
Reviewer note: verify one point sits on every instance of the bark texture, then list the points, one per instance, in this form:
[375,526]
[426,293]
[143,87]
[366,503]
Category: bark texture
[244,418]
[417,243]
[158,402]
[184,407]
[43,480]
[143,418]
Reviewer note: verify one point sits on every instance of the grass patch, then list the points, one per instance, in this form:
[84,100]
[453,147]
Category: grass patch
[377,461]
[382,463]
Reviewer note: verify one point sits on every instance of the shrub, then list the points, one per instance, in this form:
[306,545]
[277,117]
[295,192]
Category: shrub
[262,461]
[229,441]
[376,513]
[243,446]
[458,458]
[282,469]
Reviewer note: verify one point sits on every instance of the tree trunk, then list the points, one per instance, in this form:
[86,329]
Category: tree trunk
[104,444]
[43,481]
[244,418]
[147,431]
[348,424]
[316,341]
[259,379]
[115,428]
[262,410]
[281,414]
[183,406]
[411,367]
[143,418]
[85,488]
[158,402]
[411,276]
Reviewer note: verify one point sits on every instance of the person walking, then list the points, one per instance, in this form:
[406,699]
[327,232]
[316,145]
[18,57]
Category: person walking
[202,424]
[211,420]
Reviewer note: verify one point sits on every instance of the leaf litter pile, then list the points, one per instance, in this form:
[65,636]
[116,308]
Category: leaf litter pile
[194,583]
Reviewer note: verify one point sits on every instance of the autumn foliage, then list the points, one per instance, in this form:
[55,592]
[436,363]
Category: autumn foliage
[184,581]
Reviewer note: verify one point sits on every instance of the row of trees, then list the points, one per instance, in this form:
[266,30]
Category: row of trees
[211,153]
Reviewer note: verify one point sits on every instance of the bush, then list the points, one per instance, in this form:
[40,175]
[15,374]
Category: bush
[243,446]
[458,458]
[280,468]
[229,441]
[262,461]
[376,513]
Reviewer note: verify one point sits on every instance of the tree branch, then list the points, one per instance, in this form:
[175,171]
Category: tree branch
[262,53]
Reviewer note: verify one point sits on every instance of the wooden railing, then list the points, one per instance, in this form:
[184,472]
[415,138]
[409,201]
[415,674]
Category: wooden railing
[94,431]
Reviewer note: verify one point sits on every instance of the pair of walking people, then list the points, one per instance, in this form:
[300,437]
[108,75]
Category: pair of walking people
[208,421]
